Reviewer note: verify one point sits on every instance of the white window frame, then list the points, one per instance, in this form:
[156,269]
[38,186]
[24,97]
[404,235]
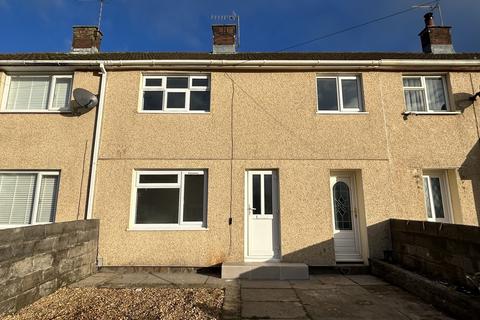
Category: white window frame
[36,196]
[446,198]
[51,92]
[180,184]
[166,90]
[340,108]
[424,88]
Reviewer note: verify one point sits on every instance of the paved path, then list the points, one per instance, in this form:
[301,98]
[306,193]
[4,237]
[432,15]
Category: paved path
[329,296]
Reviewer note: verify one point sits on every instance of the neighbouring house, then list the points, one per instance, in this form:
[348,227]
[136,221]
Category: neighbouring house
[196,159]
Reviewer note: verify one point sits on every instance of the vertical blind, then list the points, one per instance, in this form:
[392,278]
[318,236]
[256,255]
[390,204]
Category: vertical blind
[33,92]
[47,199]
[17,198]
[28,93]
[62,93]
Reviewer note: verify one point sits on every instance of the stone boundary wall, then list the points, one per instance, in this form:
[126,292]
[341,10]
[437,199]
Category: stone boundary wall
[37,260]
[454,303]
[441,251]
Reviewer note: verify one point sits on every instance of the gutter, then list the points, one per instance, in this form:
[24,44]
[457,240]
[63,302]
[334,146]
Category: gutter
[248,64]
[96,143]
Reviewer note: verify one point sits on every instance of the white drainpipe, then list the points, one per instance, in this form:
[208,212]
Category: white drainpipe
[96,143]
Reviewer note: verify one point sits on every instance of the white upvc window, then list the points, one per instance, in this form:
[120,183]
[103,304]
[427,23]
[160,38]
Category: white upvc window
[425,93]
[169,200]
[437,197]
[175,93]
[339,94]
[37,93]
[28,197]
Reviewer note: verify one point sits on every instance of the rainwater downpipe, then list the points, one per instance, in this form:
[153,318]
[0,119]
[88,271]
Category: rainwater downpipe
[96,144]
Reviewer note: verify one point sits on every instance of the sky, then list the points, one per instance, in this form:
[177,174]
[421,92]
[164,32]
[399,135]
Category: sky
[265,25]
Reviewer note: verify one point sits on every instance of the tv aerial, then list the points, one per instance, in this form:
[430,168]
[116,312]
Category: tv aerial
[85,100]
[431,8]
[100,10]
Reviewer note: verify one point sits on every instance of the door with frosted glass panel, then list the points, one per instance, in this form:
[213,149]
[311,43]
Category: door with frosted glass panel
[346,235]
[262,216]
[437,197]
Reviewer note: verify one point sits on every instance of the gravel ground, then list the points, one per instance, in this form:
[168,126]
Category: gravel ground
[145,303]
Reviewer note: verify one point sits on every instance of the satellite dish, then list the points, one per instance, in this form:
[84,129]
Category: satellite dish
[84,98]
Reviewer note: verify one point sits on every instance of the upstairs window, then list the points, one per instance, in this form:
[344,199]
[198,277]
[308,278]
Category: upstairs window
[425,93]
[339,94]
[37,93]
[28,197]
[176,93]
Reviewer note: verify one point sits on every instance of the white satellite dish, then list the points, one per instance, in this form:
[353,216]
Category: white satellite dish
[85,99]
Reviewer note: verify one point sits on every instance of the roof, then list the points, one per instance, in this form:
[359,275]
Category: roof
[239,56]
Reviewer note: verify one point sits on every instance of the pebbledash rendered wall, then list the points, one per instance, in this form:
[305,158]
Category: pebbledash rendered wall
[275,126]
[37,260]
[53,141]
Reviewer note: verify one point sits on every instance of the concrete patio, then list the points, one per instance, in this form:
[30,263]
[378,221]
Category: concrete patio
[325,296]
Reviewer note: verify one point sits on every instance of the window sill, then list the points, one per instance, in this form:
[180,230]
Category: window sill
[174,112]
[421,113]
[12,226]
[342,112]
[34,112]
[167,228]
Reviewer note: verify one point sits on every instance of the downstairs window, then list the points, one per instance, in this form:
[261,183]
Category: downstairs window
[28,198]
[170,199]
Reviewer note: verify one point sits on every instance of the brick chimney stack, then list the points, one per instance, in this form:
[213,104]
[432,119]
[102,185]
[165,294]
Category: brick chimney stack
[86,39]
[224,38]
[435,39]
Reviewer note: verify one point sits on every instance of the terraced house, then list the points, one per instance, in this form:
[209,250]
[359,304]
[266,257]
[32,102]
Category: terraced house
[199,159]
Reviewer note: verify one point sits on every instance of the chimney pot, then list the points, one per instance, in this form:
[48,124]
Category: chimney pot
[224,38]
[429,19]
[86,39]
[435,39]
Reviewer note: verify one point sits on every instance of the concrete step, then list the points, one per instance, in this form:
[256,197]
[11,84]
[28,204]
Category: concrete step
[264,271]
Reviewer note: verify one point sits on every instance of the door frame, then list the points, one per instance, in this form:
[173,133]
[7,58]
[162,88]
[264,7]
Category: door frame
[334,177]
[275,216]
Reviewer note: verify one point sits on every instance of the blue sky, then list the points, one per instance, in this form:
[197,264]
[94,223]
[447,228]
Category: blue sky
[266,25]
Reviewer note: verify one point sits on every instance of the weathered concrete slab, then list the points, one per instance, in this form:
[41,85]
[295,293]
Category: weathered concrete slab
[264,270]
[280,310]
[405,303]
[269,295]
[264,284]
[345,303]
[182,278]
[335,279]
[311,285]
[95,280]
[367,280]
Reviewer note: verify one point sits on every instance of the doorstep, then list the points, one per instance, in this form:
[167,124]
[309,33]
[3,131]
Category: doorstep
[264,271]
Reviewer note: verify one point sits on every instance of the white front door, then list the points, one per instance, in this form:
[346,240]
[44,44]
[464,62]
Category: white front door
[262,216]
[346,235]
